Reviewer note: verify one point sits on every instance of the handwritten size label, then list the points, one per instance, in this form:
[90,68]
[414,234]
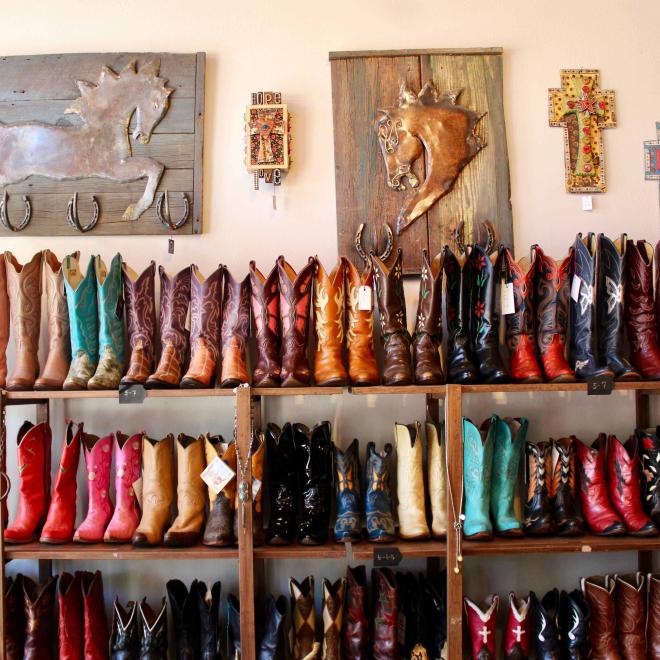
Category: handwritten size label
[387,556]
[217,474]
[364,299]
[600,385]
[134,393]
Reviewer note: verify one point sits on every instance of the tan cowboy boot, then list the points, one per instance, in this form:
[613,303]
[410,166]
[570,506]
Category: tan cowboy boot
[303,615]
[436,458]
[333,614]
[4,325]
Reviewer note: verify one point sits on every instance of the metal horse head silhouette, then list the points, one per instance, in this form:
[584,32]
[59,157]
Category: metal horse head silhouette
[99,146]
[430,122]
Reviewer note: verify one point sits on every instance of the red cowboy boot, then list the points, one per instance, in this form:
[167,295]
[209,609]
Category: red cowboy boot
[624,486]
[34,490]
[128,467]
[481,625]
[98,459]
[266,315]
[598,512]
[516,635]
[39,608]
[62,511]
[235,330]
[71,628]
[355,633]
[97,636]
[385,644]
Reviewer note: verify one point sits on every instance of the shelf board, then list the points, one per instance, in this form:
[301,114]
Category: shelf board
[649,386]
[36,396]
[438,391]
[312,390]
[409,549]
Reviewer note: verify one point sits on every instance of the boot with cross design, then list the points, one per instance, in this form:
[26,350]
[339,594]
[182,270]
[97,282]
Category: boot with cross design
[481,626]
[516,633]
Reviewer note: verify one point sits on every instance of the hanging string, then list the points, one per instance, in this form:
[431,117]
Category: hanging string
[457,518]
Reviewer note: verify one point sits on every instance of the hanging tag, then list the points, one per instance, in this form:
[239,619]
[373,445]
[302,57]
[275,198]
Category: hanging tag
[575,288]
[364,299]
[170,246]
[507,301]
[274,202]
[217,475]
[137,489]
[256,487]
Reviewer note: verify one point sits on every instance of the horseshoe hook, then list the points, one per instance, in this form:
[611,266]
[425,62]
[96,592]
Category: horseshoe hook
[4,215]
[387,250]
[163,210]
[72,215]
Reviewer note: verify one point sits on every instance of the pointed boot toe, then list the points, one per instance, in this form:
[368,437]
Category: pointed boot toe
[647,530]
[615,529]
[140,540]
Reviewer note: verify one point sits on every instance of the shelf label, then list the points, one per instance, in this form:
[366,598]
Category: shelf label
[133,393]
[600,385]
[387,556]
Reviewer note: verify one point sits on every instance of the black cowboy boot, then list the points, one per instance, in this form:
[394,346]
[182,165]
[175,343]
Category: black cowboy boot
[14,640]
[282,481]
[408,609]
[562,489]
[271,637]
[433,615]
[153,631]
[649,445]
[538,469]
[233,627]
[573,622]
[185,618]
[209,623]
[125,636]
[348,526]
[609,307]
[544,633]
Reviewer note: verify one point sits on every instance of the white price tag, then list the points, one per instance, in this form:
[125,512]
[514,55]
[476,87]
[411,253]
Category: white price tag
[507,302]
[575,288]
[137,489]
[364,299]
[217,475]
[256,487]
[587,203]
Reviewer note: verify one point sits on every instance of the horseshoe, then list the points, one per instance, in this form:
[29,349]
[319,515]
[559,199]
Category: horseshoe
[388,244]
[4,216]
[72,215]
[163,210]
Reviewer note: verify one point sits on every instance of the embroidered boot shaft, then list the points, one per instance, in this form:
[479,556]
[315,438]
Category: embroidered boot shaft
[348,526]
[599,593]
[567,522]
[71,618]
[235,330]
[355,631]
[39,612]
[478,446]
[265,297]
[378,497]
[385,635]
[124,635]
[538,475]
[649,450]
[517,631]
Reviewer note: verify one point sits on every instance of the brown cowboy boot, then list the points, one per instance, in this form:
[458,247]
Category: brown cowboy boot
[599,592]
[303,616]
[14,641]
[24,287]
[174,302]
[333,614]
[220,523]
[630,599]
[235,330]
[39,608]
[4,324]
[653,618]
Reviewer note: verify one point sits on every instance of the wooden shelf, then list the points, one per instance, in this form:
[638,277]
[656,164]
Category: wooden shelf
[437,391]
[26,397]
[297,391]
[409,549]
[648,386]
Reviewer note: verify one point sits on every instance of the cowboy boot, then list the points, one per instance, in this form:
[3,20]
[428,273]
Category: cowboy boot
[190,493]
[649,445]
[33,462]
[544,632]
[329,304]
[410,482]
[4,323]
[125,519]
[153,631]
[538,475]
[552,293]
[157,490]
[481,627]
[14,641]
[436,463]
[623,472]
[97,637]
[295,296]
[630,600]
[205,319]
[39,611]
[124,636]
[477,475]
[347,479]
[257,451]
[185,618]
[303,619]
[362,366]
[71,618]
[610,283]
[653,619]
[283,484]
[219,529]
[57,364]
[62,510]
[270,641]
[573,621]
[639,310]
[140,301]
[355,632]
[385,638]
[409,600]
[523,361]
[235,331]
[599,593]
[378,497]
[233,627]
[397,369]
[174,340]
[24,289]
[600,516]
[517,631]
[333,615]
[567,522]
[265,295]
[433,615]
[460,362]
[208,611]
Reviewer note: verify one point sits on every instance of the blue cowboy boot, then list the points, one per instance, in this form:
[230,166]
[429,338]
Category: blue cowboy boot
[378,498]
[510,437]
[83,322]
[477,471]
[347,472]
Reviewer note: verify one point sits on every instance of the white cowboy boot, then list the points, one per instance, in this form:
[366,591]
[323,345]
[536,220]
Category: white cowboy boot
[436,459]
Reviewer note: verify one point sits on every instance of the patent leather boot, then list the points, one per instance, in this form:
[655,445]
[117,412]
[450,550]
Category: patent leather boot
[283,484]
[573,621]
[235,330]
[265,299]
[538,473]
[208,610]
[436,462]
[385,635]
[153,631]
[185,618]
[567,522]
[271,639]
[39,612]
[649,451]
[124,636]
[481,625]
[4,323]
[544,633]
[409,603]
[71,617]
[233,627]
[219,529]
[630,600]
[333,614]
[355,632]
[97,636]
[477,474]
[410,483]
[433,616]
[599,593]
[653,618]
[517,631]
[378,496]
[303,619]
[348,525]
[15,617]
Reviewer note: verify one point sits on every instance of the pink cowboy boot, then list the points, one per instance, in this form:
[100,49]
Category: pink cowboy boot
[98,457]
[125,519]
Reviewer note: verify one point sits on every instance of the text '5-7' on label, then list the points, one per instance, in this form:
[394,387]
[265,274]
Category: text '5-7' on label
[133,393]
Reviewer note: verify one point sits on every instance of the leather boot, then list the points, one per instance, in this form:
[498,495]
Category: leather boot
[333,615]
[174,339]
[303,619]
[257,452]
[481,626]
[235,330]
[477,477]
[517,631]
[283,484]
[185,618]
[623,472]
[567,522]
[385,638]
[265,296]
[545,635]
[538,474]
[630,600]
[378,496]
[71,618]
[397,369]
[233,627]
[610,285]
[653,619]
[82,303]
[62,510]
[270,643]
[552,293]
[599,593]
[510,435]
[295,297]
[157,490]
[355,633]
[98,462]
[4,323]
[410,482]
[140,300]
[433,615]
[190,493]
[573,620]
[639,310]
[57,364]
[649,450]
[124,636]
[39,611]
[97,637]
[14,640]
[329,305]
[209,620]
[219,529]
[598,512]
[362,366]
[436,462]
[24,288]
[314,462]
[348,526]
[153,631]
[205,319]
[409,602]
[523,362]
[33,462]
[128,468]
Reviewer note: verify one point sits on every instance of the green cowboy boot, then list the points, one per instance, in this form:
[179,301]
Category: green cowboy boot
[83,322]
[477,471]
[111,326]
[510,437]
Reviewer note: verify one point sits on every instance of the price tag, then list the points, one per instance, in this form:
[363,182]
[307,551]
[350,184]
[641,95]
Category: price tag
[507,302]
[217,475]
[256,487]
[600,385]
[137,489]
[170,246]
[575,288]
[133,393]
[364,299]
[587,203]
[386,556]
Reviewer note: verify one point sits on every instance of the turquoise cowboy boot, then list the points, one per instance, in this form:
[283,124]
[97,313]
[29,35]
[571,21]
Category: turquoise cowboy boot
[111,326]
[83,322]
[510,437]
[477,470]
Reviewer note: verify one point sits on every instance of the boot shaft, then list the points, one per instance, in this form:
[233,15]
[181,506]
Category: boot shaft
[209,625]
[649,445]
[538,474]
[630,598]
[15,633]
[71,616]
[185,617]
[545,634]
[38,608]
[283,482]
[303,617]
[410,484]
[265,299]
[436,456]
[653,620]
[4,322]
[233,626]
[24,289]
[235,330]
[518,628]
[140,301]
[128,455]
[270,639]
[378,496]
[111,308]
[477,476]
[98,461]
[157,478]
[385,633]
[205,305]
[562,486]
[581,310]
[481,627]
[153,631]
[97,636]
[125,636]
[83,308]
[573,622]
[215,445]
[58,313]
[355,631]
[599,593]
[390,295]
[333,615]
[174,304]
[348,495]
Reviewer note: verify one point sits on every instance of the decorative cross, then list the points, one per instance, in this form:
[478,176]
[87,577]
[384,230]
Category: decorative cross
[583,110]
[652,157]
[519,632]
[484,632]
